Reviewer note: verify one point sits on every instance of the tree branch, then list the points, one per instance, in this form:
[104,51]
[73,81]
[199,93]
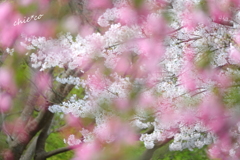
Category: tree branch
[58,151]
[40,147]
[28,155]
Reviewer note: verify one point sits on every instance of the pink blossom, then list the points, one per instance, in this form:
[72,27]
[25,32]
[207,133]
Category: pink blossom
[161,3]
[192,17]
[147,100]
[122,104]
[215,75]
[234,55]
[128,15]
[17,128]
[42,4]
[123,65]
[72,24]
[43,81]
[96,82]
[5,78]
[187,79]
[153,78]
[7,155]
[221,148]
[87,151]
[96,4]
[187,75]
[5,11]
[6,81]
[152,52]
[212,113]
[237,38]
[214,151]
[86,30]
[116,131]
[73,121]
[8,31]
[25,2]
[156,27]
[220,12]
[167,115]
[34,28]
[5,102]
[221,79]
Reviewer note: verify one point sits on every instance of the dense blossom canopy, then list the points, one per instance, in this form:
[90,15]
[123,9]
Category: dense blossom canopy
[168,66]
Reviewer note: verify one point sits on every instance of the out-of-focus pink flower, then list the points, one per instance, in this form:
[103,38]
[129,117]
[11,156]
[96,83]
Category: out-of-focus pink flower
[152,52]
[86,30]
[7,155]
[153,79]
[35,28]
[87,151]
[44,4]
[5,11]
[99,4]
[96,82]
[73,121]
[220,12]
[221,79]
[151,48]
[122,104]
[8,31]
[128,15]
[147,100]
[214,151]
[25,2]
[116,131]
[221,148]
[234,55]
[191,17]
[187,77]
[19,48]
[156,27]
[42,81]
[188,116]
[5,102]
[212,113]
[17,128]
[5,78]
[71,24]
[167,112]
[6,81]
[237,38]
[123,65]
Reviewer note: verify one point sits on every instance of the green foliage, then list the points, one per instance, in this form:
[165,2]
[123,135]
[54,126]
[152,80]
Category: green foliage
[80,92]
[203,6]
[168,16]
[164,154]
[3,141]
[28,10]
[205,59]
[138,3]
[21,75]
[55,141]
[232,97]
[121,152]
